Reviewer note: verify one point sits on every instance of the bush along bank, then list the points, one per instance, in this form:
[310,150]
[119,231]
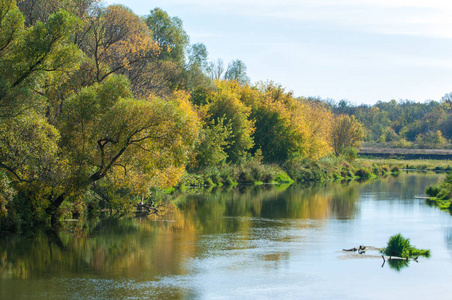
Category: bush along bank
[441,194]
[293,171]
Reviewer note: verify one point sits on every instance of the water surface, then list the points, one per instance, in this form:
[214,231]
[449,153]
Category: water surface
[245,243]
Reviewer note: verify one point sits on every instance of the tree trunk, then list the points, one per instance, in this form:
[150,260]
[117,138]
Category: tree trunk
[52,210]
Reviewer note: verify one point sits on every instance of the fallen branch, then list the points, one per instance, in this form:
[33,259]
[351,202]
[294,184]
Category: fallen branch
[400,258]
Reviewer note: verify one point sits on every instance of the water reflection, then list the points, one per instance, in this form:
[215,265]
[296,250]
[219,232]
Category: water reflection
[448,239]
[249,234]
[398,264]
[159,245]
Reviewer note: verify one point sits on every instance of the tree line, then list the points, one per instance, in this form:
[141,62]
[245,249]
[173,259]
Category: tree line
[403,123]
[96,101]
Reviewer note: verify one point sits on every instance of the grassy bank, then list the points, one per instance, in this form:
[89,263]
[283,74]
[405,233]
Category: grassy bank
[415,164]
[441,194]
[293,171]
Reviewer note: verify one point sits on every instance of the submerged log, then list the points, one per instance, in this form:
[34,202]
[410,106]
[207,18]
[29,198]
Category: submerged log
[390,258]
[400,258]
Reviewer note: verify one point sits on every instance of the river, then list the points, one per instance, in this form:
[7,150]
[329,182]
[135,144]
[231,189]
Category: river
[245,243]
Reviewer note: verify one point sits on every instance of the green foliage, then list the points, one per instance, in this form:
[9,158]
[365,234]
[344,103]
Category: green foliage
[237,71]
[363,173]
[168,32]
[403,143]
[33,57]
[440,194]
[225,106]
[431,140]
[274,133]
[403,124]
[395,169]
[94,113]
[401,247]
[350,153]
[385,169]
[212,146]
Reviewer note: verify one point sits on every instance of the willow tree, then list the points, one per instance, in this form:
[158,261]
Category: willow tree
[102,132]
[106,134]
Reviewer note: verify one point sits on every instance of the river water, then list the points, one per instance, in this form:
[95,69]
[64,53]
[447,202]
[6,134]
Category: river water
[245,243]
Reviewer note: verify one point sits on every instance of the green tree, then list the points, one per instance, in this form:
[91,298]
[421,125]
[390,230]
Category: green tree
[31,57]
[237,71]
[216,69]
[39,10]
[169,34]
[431,139]
[212,146]
[225,104]
[197,67]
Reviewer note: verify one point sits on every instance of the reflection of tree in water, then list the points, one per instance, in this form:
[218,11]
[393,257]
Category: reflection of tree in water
[398,264]
[343,203]
[158,245]
[111,246]
[230,209]
[405,186]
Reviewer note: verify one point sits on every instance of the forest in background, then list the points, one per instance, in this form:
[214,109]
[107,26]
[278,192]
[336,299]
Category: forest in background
[99,108]
[403,123]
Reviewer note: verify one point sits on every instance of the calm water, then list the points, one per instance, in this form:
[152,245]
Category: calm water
[248,243]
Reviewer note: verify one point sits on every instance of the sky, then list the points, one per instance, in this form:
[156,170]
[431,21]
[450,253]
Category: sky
[363,51]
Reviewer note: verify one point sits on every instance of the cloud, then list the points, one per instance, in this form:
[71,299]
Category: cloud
[429,18]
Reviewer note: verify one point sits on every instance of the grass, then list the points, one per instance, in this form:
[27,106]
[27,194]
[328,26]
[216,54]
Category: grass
[295,170]
[401,247]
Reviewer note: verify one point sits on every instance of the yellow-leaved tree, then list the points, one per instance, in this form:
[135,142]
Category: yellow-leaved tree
[122,142]
[346,133]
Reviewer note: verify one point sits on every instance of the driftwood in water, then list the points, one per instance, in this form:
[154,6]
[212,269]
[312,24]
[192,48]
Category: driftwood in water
[361,249]
[399,258]
[390,258]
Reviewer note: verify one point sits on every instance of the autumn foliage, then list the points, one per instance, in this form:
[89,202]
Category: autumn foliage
[98,104]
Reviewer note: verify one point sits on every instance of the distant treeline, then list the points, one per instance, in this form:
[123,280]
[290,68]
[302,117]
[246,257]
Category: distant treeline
[404,123]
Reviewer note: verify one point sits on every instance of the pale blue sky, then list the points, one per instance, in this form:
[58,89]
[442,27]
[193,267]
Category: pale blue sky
[360,50]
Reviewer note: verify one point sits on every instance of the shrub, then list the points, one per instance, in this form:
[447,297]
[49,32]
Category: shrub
[350,153]
[282,177]
[191,180]
[385,169]
[363,173]
[395,169]
[433,190]
[401,247]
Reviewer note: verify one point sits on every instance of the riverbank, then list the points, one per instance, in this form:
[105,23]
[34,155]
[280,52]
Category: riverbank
[293,171]
[412,164]
[251,172]
[441,194]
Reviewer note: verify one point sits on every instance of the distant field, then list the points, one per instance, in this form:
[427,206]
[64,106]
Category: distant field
[406,153]
[417,164]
